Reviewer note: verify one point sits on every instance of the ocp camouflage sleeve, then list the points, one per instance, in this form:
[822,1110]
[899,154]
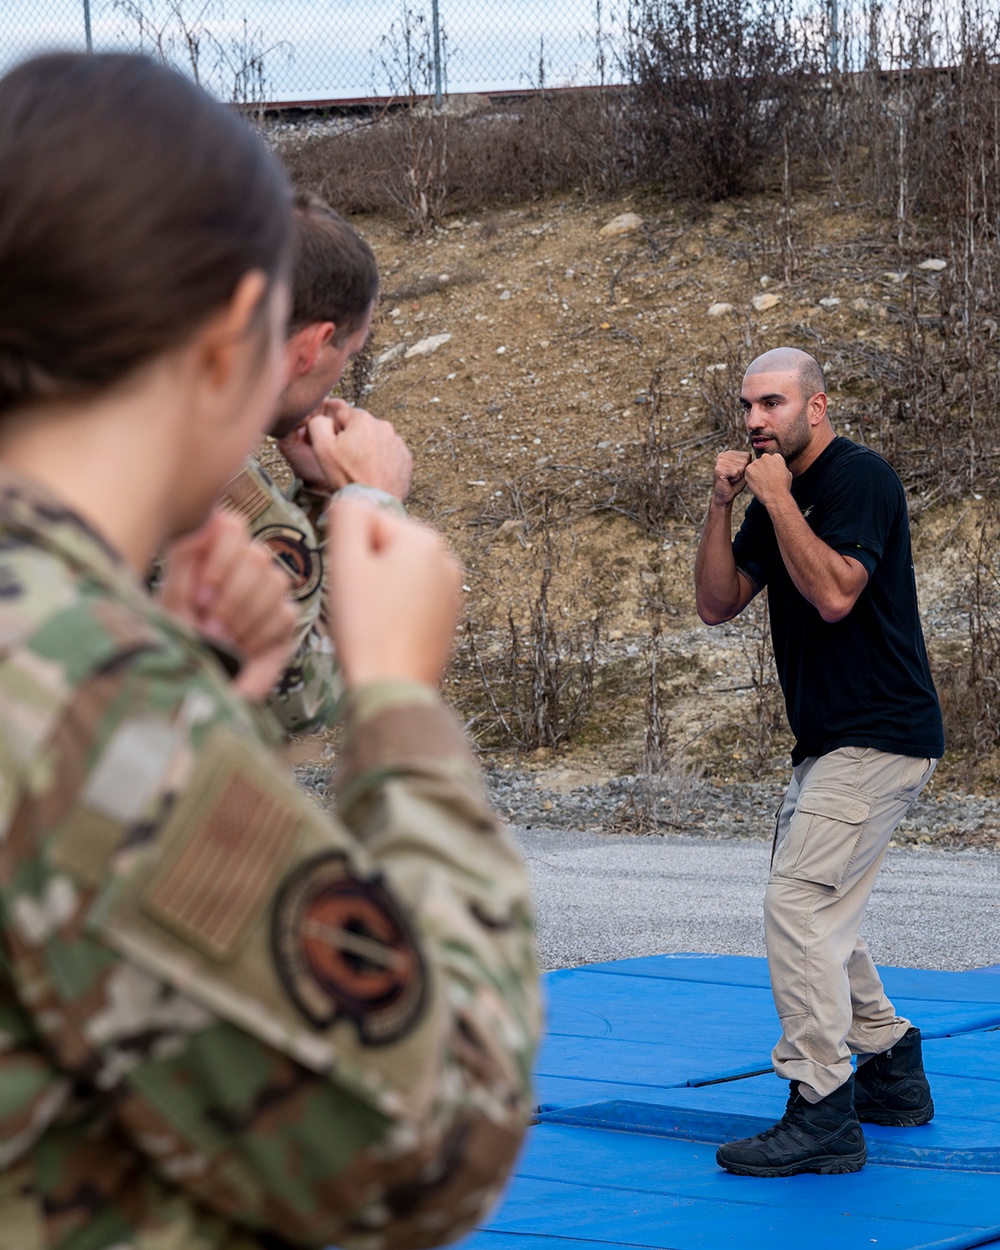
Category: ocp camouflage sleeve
[226,1017]
[310,692]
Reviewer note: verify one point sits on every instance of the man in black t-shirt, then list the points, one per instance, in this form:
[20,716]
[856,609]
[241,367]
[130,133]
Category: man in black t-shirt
[827,533]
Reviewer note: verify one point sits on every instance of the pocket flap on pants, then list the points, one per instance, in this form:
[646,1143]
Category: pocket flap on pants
[823,835]
[836,802]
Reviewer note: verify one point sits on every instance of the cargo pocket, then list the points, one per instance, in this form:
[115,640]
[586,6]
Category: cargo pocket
[823,834]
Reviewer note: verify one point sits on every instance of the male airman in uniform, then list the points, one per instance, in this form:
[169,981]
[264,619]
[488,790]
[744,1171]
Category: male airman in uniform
[332,448]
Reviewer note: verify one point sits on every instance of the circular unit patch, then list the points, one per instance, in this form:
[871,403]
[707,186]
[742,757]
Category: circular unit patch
[302,563]
[342,947]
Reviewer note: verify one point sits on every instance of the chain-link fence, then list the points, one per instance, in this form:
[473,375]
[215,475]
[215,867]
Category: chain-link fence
[316,50]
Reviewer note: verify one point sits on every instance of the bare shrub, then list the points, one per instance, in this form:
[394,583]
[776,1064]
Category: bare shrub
[577,141]
[665,788]
[918,131]
[411,55]
[660,796]
[720,391]
[715,82]
[592,140]
[969,687]
[768,706]
[652,483]
[186,35]
[539,685]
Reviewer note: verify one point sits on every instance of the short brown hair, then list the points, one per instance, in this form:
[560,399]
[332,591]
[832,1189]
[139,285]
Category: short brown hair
[334,272]
[131,205]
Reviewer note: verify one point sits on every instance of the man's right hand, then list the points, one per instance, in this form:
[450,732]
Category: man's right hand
[729,478]
[339,445]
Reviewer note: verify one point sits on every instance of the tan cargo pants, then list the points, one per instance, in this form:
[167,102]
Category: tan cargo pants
[834,824]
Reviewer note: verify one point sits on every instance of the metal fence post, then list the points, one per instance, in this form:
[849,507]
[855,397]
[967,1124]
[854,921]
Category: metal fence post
[86,25]
[436,23]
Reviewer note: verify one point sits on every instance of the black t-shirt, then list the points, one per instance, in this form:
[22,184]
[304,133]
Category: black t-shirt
[863,681]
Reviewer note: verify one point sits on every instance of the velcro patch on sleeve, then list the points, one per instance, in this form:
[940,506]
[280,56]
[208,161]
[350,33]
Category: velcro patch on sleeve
[245,496]
[225,845]
[290,548]
[344,949]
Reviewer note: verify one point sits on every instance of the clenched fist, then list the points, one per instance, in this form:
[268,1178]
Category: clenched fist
[768,477]
[729,477]
[339,445]
[229,588]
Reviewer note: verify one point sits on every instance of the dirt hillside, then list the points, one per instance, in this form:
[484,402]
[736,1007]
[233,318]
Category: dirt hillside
[563,437]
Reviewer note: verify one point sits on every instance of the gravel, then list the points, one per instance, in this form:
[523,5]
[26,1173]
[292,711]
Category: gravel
[694,879]
[599,898]
[686,804]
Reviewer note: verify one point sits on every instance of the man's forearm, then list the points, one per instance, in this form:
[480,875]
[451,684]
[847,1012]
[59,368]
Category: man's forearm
[829,581]
[720,592]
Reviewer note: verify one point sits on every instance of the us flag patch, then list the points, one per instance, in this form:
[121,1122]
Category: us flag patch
[220,877]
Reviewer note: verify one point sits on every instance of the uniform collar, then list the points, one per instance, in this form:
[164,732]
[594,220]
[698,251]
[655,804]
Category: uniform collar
[31,510]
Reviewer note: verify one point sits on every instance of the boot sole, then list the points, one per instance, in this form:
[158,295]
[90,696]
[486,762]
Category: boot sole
[897,1119]
[827,1165]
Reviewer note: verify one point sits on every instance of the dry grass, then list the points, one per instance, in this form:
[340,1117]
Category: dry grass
[908,128]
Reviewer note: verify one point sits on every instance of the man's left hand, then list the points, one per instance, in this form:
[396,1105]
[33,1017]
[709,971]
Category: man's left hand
[298,451]
[769,477]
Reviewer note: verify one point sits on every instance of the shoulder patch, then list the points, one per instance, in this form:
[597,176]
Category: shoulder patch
[302,563]
[245,496]
[227,847]
[343,948]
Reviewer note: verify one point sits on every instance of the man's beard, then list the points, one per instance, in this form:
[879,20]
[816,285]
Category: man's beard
[795,439]
[286,424]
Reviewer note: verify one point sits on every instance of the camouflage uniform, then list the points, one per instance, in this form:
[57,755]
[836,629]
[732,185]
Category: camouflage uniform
[226,1018]
[293,528]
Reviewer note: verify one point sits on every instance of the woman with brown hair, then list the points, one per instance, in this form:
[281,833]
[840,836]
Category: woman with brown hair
[227,1019]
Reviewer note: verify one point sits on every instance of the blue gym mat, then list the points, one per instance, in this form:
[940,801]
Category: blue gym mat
[649,1063]
[667,1020]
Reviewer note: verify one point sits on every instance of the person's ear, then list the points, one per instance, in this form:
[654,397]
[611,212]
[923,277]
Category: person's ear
[305,345]
[224,334]
[817,408]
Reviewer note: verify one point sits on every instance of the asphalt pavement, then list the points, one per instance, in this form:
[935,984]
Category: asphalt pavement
[600,896]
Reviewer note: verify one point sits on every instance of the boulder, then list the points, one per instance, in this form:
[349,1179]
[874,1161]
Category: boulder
[624,223]
[425,346]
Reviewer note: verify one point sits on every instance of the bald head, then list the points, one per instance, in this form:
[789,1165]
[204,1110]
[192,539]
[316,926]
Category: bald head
[784,407]
[801,365]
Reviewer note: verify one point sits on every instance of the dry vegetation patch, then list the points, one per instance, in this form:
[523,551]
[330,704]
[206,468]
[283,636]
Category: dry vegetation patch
[574,464]
[564,325]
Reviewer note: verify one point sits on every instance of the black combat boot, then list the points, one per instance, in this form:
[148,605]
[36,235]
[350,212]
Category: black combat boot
[891,1088]
[824,1136]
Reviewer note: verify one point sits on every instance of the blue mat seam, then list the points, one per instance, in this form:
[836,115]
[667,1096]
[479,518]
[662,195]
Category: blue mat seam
[976,1230]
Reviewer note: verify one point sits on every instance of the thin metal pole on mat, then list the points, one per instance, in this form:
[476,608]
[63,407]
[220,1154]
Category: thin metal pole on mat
[436,23]
[86,25]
